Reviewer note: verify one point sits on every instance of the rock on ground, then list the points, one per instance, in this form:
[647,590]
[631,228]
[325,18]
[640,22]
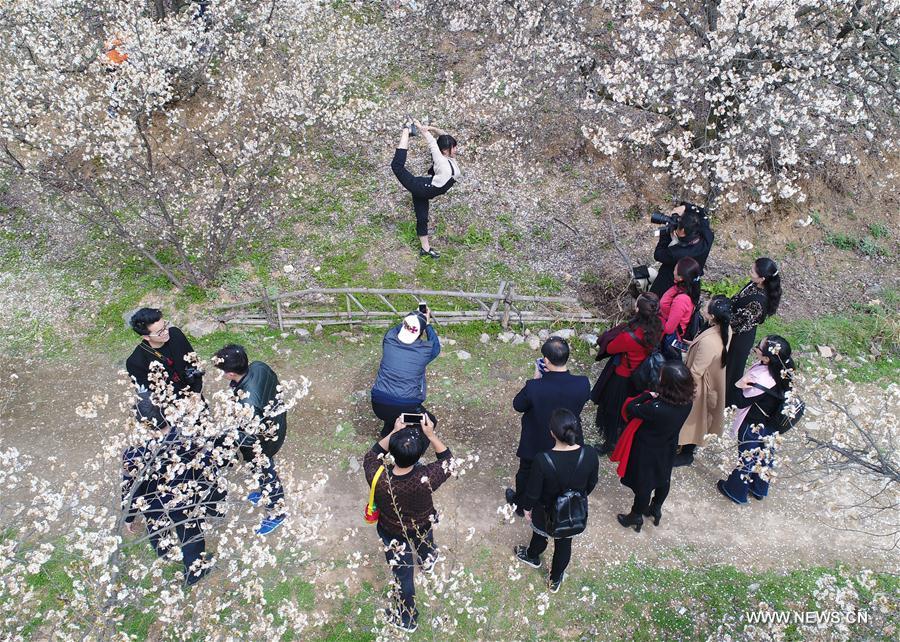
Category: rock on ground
[534,343]
[484,338]
[566,333]
[200,327]
[463,355]
[506,337]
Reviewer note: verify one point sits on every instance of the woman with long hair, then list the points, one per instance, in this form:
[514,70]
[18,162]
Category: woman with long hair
[444,173]
[706,359]
[676,307]
[756,301]
[567,466]
[763,388]
[648,460]
[638,338]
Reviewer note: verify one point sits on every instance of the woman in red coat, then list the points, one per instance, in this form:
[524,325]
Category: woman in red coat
[634,343]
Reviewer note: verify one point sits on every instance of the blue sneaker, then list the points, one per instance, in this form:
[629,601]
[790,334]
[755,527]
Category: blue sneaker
[269,525]
[254,497]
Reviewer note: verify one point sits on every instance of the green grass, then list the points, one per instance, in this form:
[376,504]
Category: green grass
[854,335]
[726,286]
[867,245]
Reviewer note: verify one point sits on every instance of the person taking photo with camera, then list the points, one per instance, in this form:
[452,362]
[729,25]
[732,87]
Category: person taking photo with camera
[693,237]
[406,351]
[162,342]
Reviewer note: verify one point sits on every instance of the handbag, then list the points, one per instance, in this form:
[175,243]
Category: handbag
[567,516]
[371,511]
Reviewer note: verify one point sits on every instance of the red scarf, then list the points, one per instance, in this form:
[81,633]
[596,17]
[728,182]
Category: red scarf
[623,446]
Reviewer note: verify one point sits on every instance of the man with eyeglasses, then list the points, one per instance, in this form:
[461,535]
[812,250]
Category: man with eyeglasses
[163,343]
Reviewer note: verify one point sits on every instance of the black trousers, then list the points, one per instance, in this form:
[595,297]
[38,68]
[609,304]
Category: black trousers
[402,558]
[736,361]
[562,553]
[522,476]
[420,187]
[388,413]
[642,499]
[187,531]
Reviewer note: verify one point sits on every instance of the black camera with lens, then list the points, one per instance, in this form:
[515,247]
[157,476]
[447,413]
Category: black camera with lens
[669,223]
[194,377]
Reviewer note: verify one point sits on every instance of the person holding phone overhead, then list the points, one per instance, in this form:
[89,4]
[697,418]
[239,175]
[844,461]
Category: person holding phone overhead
[400,385]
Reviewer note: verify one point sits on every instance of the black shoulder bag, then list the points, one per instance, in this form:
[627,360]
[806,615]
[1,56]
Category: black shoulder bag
[567,516]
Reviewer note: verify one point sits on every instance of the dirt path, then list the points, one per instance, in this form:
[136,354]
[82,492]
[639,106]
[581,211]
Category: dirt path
[333,428]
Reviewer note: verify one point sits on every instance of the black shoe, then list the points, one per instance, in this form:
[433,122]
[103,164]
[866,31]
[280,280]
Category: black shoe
[683,459]
[554,584]
[655,512]
[431,253]
[631,520]
[522,555]
[511,499]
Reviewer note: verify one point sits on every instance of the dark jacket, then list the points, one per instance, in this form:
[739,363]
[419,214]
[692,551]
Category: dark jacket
[171,354]
[404,502]
[697,248]
[748,308]
[545,485]
[764,408]
[261,384]
[655,442]
[537,401]
[401,374]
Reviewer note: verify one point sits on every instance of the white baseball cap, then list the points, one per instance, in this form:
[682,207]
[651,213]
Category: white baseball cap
[410,329]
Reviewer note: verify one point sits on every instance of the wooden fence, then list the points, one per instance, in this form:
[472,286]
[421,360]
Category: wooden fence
[281,310]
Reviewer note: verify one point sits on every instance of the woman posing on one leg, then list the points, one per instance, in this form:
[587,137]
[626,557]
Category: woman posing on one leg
[444,173]
[567,466]
[751,306]
[706,359]
[647,448]
[763,387]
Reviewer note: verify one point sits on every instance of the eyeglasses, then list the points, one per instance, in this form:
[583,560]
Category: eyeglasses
[160,332]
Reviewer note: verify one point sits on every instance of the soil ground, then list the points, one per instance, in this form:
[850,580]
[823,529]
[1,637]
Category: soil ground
[333,427]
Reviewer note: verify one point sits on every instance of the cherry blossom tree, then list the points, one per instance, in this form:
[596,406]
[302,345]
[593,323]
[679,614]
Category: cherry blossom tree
[173,127]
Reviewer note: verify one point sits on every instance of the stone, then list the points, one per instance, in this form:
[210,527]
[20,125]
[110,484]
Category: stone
[353,464]
[590,339]
[518,339]
[200,327]
[302,333]
[463,355]
[319,329]
[450,342]
[506,337]
[534,343]
[566,333]
[484,338]
[543,334]
[825,352]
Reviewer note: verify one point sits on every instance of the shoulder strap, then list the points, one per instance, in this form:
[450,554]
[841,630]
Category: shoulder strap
[374,483]
[565,487]
[767,391]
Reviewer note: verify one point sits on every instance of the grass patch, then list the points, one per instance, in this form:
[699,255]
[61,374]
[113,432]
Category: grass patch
[870,333]
[867,245]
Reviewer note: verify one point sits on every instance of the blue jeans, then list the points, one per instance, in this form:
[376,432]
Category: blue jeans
[404,566]
[742,479]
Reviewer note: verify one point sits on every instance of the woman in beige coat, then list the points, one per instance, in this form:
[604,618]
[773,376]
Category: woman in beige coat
[706,360]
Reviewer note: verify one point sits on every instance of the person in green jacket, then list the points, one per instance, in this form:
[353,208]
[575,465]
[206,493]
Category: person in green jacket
[256,384]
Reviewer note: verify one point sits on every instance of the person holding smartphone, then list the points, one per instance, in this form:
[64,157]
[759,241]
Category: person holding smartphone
[552,387]
[400,385]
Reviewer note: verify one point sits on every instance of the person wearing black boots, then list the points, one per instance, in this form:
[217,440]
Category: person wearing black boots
[756,301]
[646,449]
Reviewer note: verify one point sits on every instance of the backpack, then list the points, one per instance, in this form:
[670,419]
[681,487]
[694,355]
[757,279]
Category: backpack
[789,412]
[646,375]
[567,516]
[693,326]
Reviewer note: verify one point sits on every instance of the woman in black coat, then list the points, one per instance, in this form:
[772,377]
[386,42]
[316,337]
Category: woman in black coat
[756,301]
[649,461]
[567,466]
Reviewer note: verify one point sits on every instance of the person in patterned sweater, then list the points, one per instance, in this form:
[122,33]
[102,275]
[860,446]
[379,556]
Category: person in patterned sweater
[406,513]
